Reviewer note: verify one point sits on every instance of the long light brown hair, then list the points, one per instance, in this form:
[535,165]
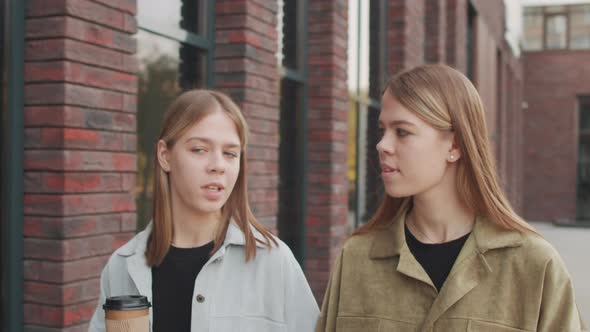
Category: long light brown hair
[186,110]
[445,99]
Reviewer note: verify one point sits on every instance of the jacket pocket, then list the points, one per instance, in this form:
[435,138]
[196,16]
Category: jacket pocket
[481,326]
[246,324]
[371,324]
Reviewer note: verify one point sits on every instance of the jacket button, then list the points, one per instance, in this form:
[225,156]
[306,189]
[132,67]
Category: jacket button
[200,298]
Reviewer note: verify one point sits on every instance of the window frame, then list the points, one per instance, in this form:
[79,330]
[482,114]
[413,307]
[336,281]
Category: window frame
[298,78]
[203,42]
[12,160]
[547,13]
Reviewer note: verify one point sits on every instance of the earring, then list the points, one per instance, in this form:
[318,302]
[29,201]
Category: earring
[452,157]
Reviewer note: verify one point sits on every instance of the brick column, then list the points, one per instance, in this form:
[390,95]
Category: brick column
[327,210]
[435,22]
[80,159]
[457,34]
[405,34]
[246,69]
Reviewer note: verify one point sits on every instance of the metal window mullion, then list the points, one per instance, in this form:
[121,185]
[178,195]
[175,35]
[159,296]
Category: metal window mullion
[13,149]
[189,38]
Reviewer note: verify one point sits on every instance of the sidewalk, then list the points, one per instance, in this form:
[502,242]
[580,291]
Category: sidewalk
[573,244]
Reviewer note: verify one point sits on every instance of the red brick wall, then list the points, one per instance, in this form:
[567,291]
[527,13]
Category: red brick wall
[405,34]
[246,69]
[327,208]
[435,25]
[552,79]
[80,159]
[457,34]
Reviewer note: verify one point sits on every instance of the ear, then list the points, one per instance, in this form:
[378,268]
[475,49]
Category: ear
[454,152]
[163,155]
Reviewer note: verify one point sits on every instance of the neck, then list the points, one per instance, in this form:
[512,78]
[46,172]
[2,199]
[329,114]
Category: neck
[192,228]
[439,215]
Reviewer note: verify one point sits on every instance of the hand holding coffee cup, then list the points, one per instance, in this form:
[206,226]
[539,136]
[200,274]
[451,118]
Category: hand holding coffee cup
[127,313]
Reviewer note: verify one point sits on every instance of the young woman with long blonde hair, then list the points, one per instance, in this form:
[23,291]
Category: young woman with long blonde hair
[445,251]
[205,262]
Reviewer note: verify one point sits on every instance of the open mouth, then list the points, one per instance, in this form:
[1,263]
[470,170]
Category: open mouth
[213,187]
[388,169]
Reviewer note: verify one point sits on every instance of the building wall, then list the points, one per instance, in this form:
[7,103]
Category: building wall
[246,69]
[550,131]
[80,159]
[81,76]
[327,195]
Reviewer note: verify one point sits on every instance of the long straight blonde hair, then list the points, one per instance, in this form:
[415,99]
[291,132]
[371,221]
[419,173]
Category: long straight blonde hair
[186,110]
[444,98]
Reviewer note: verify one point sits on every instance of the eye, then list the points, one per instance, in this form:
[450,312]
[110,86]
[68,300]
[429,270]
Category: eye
[402,133]
[198,150]
[231,154]
[381,131]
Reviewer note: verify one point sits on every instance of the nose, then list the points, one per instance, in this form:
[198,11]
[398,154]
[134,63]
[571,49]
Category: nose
[216,163]
[385,146]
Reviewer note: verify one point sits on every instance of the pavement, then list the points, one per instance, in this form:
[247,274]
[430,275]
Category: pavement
[573,244]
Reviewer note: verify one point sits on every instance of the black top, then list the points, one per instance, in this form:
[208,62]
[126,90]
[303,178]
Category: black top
[436,259]
[173,283]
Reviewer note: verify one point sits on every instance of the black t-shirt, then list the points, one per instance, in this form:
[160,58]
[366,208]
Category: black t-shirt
[173,283]
[436,259]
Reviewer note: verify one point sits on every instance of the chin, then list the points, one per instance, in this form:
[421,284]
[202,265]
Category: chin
[209,207]
[398,192]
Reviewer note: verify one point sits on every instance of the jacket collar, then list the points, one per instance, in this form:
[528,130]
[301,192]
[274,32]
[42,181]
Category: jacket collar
[233,236]
[390,241]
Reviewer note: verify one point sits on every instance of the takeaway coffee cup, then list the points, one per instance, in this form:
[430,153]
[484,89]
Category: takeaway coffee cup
[127,313]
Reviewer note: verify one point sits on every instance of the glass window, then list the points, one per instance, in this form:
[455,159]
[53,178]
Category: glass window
[358,87]
[171,58]
[580,27]
[583,183]
[292,42]
[556,32]
[533,29]
[173,17]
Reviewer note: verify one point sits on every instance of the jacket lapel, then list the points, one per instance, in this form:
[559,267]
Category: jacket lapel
[471,266]
[467,272]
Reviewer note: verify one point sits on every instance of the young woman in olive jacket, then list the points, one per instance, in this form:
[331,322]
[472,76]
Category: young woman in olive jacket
[445,251]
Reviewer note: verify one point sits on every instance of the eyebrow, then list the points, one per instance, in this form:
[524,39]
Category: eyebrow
[398,122]
[208,141]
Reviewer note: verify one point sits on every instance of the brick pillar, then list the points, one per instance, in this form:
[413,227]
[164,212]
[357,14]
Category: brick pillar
[405,34]
[80,159]
[246,69]
[435,22]
[327,207]
[457,34]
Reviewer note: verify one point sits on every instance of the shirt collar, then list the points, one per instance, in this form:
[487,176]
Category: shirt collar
[233,236]
[389,240]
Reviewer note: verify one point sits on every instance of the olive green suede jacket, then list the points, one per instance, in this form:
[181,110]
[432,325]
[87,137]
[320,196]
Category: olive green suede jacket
[502,281]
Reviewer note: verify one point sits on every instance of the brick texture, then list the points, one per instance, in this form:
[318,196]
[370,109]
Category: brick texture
[246,69]
[550,160]
[435,23]
[457,34]
[80,153]
[405,34]
[327,209]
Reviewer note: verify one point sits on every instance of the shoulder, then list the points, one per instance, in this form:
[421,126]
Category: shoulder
[135,246]
[360,242]
[537,250]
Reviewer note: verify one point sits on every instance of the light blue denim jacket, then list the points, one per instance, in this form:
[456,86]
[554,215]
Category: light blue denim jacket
[269,293]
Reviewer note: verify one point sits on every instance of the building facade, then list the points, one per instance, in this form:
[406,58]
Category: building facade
[556,58]
[95,76]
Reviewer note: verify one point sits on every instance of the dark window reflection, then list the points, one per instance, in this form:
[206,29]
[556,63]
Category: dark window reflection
[166,67]
[583,204]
